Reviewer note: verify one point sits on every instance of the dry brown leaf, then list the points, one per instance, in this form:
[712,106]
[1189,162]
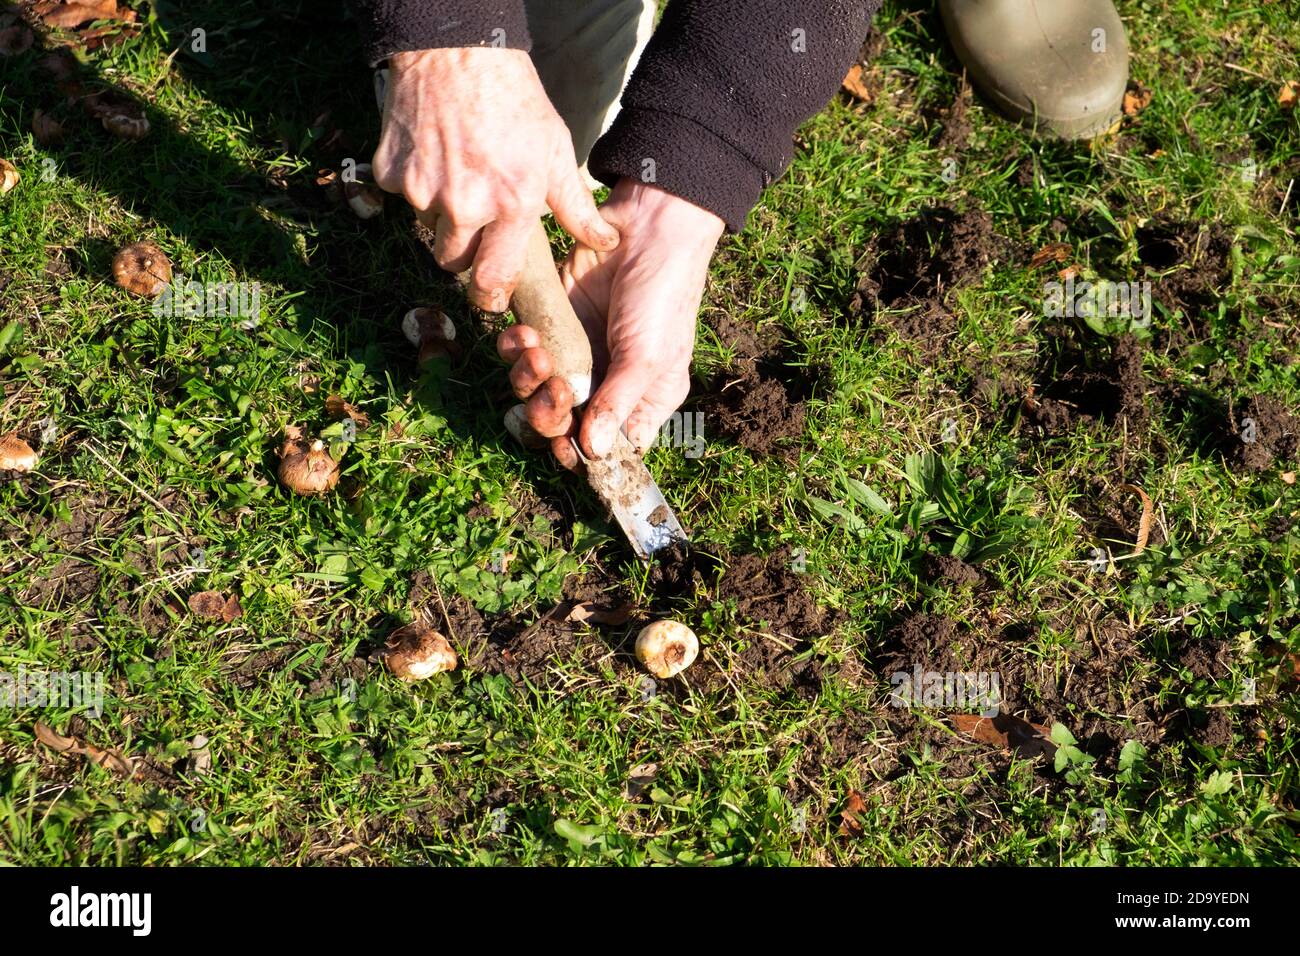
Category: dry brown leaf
[1288,94]
[855,83]
[336,407]
[108,759]
[73,13]
[215,606]
[850,816]
[1052,252]
[1008,732]
[1135,101]
[597,614]
[1144,523]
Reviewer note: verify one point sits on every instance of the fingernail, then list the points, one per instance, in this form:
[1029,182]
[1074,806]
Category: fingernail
[601,436]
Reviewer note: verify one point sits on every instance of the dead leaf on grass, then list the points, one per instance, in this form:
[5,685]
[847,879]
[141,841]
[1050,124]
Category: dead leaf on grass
[215,606]
[1007,732]
[73,13]
[851,815]
[1135,101]
[108,759]
[1288,94]
[594,613]
[336,407]
[1052,252]
[855,83]
[1144,523]
[638,779]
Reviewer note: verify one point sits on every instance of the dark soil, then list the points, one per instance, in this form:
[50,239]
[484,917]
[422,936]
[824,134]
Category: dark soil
[954,134]
[1084,386]
[1200,257]
[913,269]
[950,571]
[762,403]
[1105,696]
[1260,433]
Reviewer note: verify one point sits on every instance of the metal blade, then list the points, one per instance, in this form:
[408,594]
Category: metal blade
[625,485]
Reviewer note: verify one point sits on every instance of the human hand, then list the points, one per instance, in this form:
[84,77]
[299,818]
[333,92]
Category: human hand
[471,140]
[638,304]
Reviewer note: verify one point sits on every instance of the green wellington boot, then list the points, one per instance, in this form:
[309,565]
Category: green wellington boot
[1060,65]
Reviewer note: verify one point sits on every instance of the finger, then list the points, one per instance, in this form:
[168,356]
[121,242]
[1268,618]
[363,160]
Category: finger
[626,381]
[571,202]
[498,262]
[455,246]
[646,420]
[550,410]
[531,369]
[564,452]
[516,340]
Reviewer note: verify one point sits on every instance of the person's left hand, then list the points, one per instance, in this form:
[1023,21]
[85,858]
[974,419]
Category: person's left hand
[638,304]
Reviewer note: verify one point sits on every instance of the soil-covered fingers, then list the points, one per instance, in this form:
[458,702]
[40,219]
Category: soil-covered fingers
[456,244]
[550,408]
[530,371]
[573,206]
[516,340]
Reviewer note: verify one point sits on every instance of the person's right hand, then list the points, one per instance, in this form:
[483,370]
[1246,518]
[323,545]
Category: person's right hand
[472,141]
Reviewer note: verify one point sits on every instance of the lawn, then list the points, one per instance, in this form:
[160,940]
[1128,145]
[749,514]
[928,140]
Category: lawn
[912,465]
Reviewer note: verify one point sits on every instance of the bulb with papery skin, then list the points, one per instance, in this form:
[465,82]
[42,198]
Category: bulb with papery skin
[16,454]
[666,648]
[416,651]
[306,467]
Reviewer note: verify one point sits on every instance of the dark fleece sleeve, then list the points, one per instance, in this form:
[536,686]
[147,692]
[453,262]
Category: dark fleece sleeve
[396,26]
[721,89]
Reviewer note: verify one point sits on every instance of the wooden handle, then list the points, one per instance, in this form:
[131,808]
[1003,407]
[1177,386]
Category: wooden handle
[541,302]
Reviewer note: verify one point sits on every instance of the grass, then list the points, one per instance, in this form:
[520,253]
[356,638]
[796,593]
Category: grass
[159,483]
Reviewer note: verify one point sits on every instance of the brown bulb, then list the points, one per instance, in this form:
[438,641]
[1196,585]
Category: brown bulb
[306,467]
[142,269]
[9,177]
[416,651]
[16,454]
[125,125]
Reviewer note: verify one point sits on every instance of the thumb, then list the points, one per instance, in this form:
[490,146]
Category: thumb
[575,209]
[626,381]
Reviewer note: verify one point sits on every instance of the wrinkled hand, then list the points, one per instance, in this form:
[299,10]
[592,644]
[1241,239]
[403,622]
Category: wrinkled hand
[472,141]
[638,304]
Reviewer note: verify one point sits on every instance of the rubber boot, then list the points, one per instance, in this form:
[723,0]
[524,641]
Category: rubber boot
[1059,65]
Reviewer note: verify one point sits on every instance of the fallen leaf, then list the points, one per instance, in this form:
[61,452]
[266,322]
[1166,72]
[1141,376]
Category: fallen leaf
[1069,272]
[1008,732]
[1288,477]
[1135,101]
[1052,252]
[638,779]
[598,614]
[1288,94]
[1144,523]
[855,83]
[850,816]
[73,13]
[108,759]
[215,606]
[335,407]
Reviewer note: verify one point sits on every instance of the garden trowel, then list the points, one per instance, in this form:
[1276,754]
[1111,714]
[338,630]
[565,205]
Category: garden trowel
[621,479]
